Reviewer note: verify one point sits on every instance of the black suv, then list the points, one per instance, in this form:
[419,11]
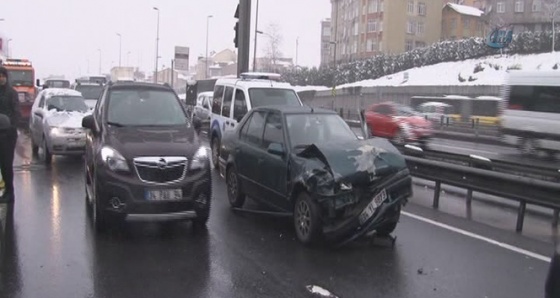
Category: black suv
[144,160]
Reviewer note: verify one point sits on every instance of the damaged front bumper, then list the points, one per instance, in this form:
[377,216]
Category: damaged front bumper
[348,226]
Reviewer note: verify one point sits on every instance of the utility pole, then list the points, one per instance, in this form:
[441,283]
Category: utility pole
[256,31]
[244,36]
[297,50]
[157,47]
[172,71]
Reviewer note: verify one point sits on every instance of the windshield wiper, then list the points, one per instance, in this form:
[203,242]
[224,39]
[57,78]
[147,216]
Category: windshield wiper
[117,124]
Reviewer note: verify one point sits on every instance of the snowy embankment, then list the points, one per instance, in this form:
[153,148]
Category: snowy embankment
[483,71]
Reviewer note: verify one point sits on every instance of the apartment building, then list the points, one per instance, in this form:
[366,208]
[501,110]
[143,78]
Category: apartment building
[326,53]
[365,28]
[462,21]
[523,15]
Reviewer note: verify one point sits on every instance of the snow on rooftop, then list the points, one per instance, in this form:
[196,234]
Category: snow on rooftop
[466,10]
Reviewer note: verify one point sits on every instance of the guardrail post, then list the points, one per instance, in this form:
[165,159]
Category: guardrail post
[437,192]
[555,217]
[442,120]
[520,216]
[447,120]
[469,197]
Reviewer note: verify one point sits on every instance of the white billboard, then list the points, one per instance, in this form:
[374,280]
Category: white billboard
[181,58]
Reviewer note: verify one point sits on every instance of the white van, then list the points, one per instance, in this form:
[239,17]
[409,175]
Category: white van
[531,120]
[234,97]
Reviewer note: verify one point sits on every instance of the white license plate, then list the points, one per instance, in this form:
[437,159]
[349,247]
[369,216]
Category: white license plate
[164,195]
[77,144]
[370,209]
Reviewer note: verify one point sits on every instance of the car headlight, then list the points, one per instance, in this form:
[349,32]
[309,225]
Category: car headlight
[199,158]
[56,131]
[113,159]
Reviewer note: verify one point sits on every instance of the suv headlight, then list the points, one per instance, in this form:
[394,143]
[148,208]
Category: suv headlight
[113,159]
[199,158]
[56,131]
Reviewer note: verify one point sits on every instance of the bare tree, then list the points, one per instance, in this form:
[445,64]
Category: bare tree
[272,51]
[552,9]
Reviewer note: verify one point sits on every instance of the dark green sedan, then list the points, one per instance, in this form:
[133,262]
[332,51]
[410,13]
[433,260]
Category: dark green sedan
[309,163]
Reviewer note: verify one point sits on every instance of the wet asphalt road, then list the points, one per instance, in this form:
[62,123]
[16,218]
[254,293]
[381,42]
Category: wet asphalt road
[52,251]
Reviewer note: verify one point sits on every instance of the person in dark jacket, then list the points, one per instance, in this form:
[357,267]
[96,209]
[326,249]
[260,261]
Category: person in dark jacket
[9,106]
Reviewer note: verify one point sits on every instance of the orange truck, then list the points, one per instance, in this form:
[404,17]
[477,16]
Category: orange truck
[21,75]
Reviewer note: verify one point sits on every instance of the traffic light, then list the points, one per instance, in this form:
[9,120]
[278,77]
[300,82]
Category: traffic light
[236,27]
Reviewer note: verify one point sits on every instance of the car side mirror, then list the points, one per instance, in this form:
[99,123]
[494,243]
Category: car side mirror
[197,124]
[276,149]
[88,122]
[52,107]
[38,82]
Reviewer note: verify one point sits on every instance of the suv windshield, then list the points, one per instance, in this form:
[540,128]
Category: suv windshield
[307,129]
[270,97]
[145,107]
[67,103]
[90,91]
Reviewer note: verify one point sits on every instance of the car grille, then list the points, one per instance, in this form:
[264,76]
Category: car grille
[161,170]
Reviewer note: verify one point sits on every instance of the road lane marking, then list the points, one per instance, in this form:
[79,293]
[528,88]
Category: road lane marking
[479,237]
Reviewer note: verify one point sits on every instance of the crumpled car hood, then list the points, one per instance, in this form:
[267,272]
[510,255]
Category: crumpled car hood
[358,162]
[65,119]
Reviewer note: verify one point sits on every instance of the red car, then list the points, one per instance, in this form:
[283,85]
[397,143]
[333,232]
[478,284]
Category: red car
[399,123]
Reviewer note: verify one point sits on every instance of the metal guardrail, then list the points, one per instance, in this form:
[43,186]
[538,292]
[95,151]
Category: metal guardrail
[525,190]
[546,173]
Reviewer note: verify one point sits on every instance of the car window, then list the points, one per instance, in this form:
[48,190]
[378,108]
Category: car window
[226,106]
[272,96]
[307,129]
[273,130]
[383,110]
[239,105]
[42,101]
[255,128]
[217,101]
[67,103]
[145,107]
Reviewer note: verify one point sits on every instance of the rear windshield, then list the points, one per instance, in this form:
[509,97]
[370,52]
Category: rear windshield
[90,91]
[273,97]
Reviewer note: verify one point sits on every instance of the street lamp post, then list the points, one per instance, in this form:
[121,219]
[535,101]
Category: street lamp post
[128,58]
[120,48]
[207,33]
[157,46]
[99,50]
[8,49]
[297,50]
[255,45]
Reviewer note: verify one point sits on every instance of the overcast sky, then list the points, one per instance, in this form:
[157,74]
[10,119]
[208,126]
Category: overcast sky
[62,36]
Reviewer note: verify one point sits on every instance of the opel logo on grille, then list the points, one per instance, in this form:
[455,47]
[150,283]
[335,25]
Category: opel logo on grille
[162,163]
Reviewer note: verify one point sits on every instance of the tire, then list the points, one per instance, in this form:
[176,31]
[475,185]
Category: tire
[34,148]
[99,217]
[235,193]
[203,215]
[307,220]
[47,156]
[215,152]
[388,228]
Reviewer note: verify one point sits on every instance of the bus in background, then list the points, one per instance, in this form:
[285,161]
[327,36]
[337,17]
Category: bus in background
[483,109]
[532,116]
[21,75]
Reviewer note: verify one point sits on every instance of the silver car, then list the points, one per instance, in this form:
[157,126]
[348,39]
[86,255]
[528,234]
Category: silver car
[56,123]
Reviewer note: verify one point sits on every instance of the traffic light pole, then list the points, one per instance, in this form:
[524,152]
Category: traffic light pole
[244,36]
